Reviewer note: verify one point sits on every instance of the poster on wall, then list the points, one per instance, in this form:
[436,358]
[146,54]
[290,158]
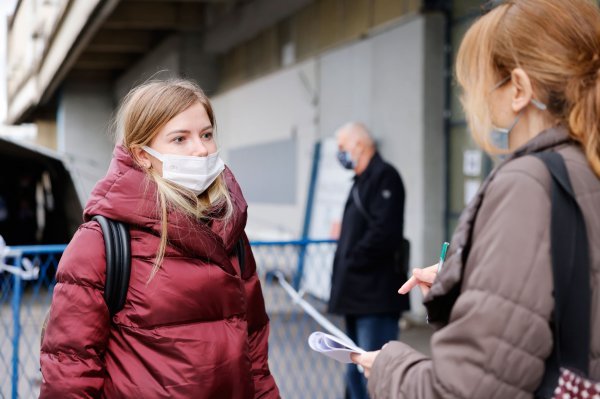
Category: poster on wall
[331,192]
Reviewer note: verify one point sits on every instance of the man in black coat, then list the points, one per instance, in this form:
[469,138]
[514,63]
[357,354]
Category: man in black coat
[366,271]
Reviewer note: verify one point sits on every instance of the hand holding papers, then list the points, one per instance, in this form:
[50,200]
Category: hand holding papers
[332,346]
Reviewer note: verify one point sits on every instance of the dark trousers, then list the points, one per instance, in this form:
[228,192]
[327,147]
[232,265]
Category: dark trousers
[369,332]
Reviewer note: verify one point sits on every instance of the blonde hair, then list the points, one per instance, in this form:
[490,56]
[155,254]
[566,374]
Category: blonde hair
[143,112]
[557,43]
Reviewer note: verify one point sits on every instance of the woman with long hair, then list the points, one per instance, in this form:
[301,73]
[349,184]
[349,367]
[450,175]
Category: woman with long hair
[194,323]
[530,73]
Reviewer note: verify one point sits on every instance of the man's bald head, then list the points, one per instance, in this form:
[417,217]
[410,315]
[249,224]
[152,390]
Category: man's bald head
[355,138]
[355,132]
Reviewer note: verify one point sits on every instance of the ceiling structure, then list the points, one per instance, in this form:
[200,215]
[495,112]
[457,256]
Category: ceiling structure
[118,33]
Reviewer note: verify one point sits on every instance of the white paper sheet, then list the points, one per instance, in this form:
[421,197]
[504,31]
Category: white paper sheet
[332,346]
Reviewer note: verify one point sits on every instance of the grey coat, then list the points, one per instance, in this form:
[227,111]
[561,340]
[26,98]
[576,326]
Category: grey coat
[494,308]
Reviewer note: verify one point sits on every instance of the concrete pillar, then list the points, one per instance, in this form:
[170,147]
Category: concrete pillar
[196,64]
[46,133]
[179,55]
[84,134]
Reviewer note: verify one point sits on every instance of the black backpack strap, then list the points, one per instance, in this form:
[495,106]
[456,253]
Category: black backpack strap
[570,268]
[118,262]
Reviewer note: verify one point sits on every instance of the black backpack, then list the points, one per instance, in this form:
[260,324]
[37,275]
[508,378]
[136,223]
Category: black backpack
[118,261]
[118,266]
[117,244]
[117,247]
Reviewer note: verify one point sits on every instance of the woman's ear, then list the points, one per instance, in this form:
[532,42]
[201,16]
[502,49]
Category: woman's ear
[141,157]
[523,89]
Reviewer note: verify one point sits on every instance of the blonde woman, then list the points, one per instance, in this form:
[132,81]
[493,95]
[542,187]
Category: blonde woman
[532,68]
[193,324]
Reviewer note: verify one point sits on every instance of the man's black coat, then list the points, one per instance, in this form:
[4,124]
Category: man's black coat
[364,279]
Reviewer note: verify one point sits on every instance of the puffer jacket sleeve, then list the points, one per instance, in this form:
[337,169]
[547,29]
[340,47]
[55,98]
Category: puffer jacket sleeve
[498,334]
[78,328]
[258,332]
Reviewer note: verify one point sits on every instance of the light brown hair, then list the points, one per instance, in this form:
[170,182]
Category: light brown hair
[143,112]
[557,43]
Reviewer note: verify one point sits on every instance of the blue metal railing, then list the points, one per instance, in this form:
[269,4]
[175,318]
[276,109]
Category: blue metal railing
[29,285]
[302,245]
[299,372]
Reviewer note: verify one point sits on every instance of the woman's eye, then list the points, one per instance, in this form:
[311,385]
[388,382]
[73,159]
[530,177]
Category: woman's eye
[207,136]
[178,139]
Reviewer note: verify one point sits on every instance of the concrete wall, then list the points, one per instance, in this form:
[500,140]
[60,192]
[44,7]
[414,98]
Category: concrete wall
[83,132]
[268,110]
[177,55]
[381,81]
[161,63]
[392,81]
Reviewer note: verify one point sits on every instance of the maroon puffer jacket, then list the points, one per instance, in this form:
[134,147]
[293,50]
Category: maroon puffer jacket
[196,330]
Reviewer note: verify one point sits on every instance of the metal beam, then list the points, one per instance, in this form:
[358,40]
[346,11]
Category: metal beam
[123,41]
[104,61]
[102,11]
[182,1]
[247,21]
[156,16]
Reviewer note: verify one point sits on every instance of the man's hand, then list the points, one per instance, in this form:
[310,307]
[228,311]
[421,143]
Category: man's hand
[366,360]
[421,277]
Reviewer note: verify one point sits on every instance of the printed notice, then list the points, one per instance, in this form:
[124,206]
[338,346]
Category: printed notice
[333,347]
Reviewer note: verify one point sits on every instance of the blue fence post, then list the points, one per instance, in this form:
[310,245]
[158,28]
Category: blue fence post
[300,269]
[308,214]
[16,310]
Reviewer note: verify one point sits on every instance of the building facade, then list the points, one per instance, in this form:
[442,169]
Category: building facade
[282,75]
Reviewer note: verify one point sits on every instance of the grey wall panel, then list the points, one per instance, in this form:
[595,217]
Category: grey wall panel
[271,109]
[346,77]
[266,172]
[84,133]
[392,81]
[380,81]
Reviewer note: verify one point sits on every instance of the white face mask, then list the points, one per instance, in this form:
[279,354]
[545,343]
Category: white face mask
[193,173]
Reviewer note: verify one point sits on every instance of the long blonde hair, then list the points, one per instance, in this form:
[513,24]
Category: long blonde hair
[557,43]
[143,112]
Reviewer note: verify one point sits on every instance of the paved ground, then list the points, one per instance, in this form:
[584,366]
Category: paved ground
[416,335]
[302,373]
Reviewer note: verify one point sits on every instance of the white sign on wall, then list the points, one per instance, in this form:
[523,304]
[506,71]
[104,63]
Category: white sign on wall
[471,188]
[331,192]
[472,163]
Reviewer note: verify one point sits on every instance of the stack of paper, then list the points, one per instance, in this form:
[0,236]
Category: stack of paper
[333,346]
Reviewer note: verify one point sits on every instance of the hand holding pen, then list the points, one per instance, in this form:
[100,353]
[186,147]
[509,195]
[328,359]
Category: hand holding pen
[424,277]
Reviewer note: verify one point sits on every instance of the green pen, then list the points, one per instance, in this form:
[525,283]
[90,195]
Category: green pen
[442,256]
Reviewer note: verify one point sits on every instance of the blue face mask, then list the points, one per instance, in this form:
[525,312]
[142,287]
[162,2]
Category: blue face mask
[345,159]
[500,135]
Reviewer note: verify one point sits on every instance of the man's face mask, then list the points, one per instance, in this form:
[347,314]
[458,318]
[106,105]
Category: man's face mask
[345,159]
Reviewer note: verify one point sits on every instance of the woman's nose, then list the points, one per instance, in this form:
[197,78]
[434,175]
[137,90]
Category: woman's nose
[199,149]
